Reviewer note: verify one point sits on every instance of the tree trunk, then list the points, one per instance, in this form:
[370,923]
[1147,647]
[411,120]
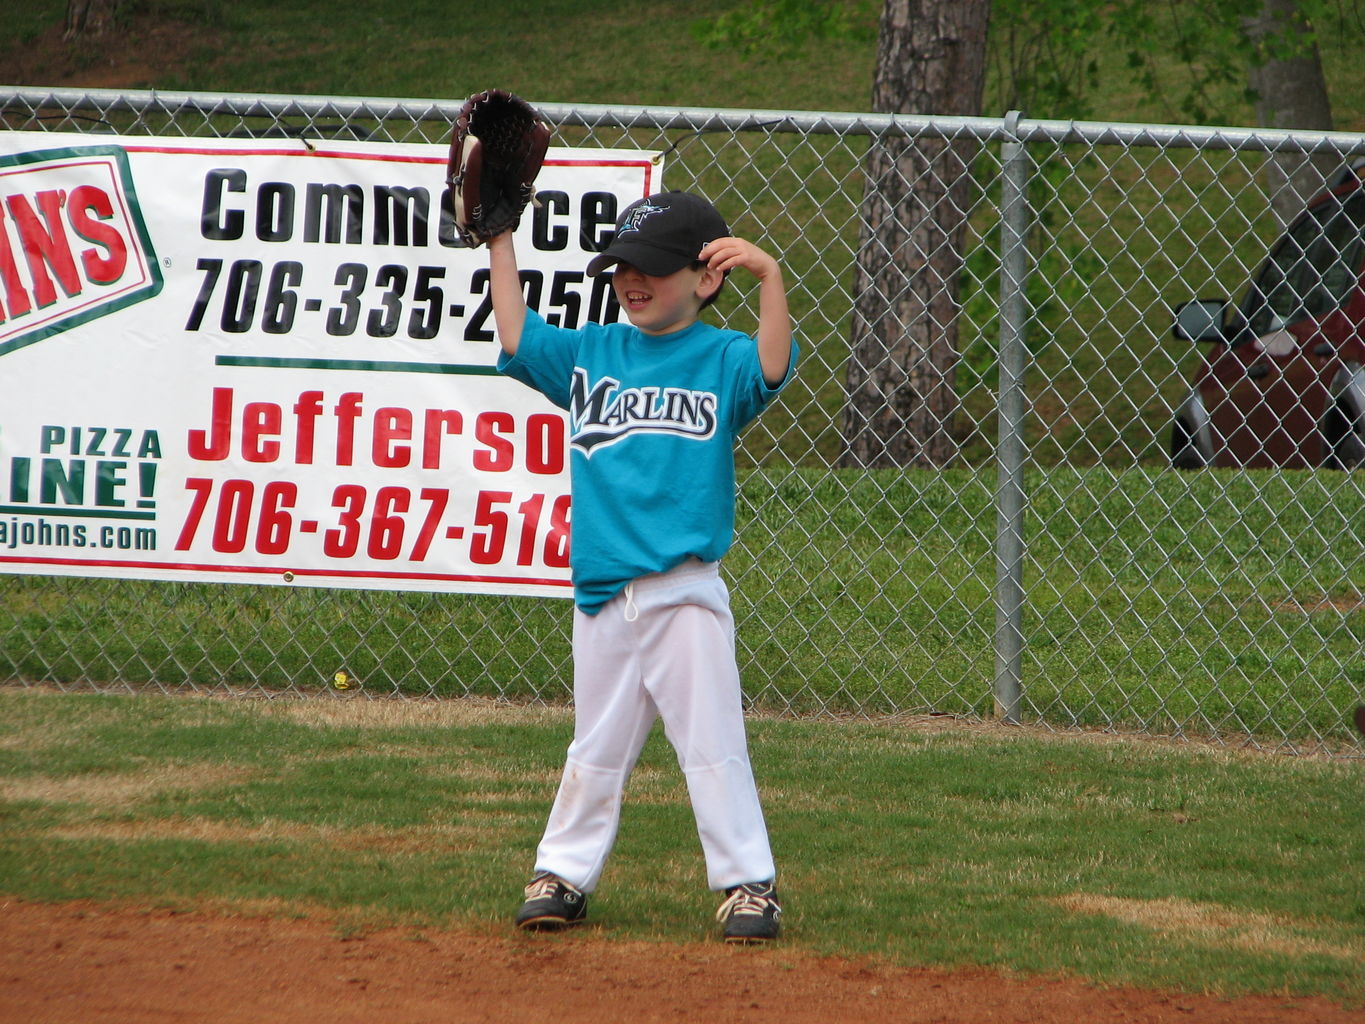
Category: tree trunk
[901,375]
[1291,92]
[89,17]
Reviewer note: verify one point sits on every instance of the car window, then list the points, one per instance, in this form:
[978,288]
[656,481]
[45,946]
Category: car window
[1345,237]
[1313,268]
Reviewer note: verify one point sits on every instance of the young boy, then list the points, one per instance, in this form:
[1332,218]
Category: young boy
[654,407]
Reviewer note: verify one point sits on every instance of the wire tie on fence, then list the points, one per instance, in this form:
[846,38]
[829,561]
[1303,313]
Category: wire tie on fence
[298,133]
[71,115]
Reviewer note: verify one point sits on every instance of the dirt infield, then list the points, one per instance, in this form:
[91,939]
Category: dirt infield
[87,964]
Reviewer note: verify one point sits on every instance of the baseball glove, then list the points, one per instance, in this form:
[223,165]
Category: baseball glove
[496,150]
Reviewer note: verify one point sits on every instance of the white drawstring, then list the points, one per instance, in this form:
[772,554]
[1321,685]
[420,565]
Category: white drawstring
[692,568]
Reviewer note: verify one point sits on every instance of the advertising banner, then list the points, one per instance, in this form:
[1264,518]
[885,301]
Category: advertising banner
[272,361]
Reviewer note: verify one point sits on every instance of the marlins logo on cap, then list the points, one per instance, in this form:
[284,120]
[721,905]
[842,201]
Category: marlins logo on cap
[661,234]
[636,215]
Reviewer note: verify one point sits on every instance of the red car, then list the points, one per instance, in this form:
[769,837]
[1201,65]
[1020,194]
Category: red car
[1283,382]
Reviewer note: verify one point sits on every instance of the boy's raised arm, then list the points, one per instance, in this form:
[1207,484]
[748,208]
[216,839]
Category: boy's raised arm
[774,320]
[504,284]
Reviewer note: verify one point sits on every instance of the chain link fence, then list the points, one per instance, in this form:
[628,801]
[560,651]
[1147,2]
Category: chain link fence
[965,505]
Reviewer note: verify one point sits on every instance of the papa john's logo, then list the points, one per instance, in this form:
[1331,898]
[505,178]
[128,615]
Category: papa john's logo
[73,244]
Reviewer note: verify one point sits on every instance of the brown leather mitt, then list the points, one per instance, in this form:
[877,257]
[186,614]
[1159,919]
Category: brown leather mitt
[496,150]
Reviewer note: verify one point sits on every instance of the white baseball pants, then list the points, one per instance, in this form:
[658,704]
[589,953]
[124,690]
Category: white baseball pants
[665,648]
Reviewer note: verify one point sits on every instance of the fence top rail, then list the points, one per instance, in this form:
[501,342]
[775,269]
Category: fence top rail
[1013,127]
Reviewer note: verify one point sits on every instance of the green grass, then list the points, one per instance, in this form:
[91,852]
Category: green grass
[1212,603]
[1124,862]
[1223,603]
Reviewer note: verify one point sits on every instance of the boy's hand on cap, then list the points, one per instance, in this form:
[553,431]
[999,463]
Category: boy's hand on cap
[727,253]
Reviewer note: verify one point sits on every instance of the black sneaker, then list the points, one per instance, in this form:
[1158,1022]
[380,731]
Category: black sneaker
[751,913]
[551,904]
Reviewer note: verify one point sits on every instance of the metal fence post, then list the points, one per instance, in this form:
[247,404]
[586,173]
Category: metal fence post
[1009,540]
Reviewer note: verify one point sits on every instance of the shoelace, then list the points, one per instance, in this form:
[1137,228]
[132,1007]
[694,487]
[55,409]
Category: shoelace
[543,886]
[746,900]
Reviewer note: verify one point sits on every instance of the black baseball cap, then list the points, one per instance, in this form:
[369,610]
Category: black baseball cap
[661,234]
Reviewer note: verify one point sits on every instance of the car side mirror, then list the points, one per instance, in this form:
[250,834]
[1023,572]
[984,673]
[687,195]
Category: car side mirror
[1201,320]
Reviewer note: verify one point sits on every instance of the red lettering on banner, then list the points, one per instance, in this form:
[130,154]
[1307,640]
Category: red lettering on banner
[306,412]
[260,433]
[438,423]
[261,423]
[46,228]
[489,428]
[85,200]
[17,302]
[213,445]
[72,251]
[45,244]
[347,412]
[392,425]
[546,437]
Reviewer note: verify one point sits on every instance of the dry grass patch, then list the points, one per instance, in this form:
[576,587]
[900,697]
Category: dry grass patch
[1216,926]
[118,790]
[1344,604]
[396,713]
[415,839]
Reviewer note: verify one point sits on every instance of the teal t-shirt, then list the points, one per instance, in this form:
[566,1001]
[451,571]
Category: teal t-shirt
[652,427]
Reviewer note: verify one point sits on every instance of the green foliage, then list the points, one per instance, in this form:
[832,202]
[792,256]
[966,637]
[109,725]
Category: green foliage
[1208,40]
[1043,55]
[1047,49]
[1059,280]
[1046,54]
